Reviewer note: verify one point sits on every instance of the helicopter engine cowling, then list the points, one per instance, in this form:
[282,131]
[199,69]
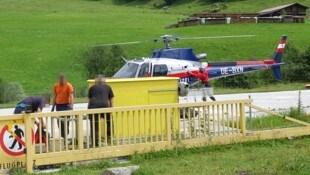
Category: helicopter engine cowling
[201,56]
[183,89]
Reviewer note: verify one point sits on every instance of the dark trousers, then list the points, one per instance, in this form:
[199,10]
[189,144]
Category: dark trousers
[94,122]
[63,107]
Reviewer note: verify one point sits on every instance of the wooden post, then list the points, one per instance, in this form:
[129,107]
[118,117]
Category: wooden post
[168,126]
[28,140]
[242,118]
[80,132]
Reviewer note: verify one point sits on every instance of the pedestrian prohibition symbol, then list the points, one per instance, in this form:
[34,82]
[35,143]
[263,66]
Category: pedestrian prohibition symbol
[12,138]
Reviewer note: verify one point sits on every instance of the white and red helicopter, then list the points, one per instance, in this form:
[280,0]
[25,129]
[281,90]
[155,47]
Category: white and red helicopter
[182,62]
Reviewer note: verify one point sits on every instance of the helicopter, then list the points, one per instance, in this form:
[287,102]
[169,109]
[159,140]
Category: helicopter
[182,62]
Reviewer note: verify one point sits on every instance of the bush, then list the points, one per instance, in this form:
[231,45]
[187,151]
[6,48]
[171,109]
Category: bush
[297,64]
[103,60]
[10,91]
[15,92]
[3,86]
[169,2]
[81,91]
[244,81]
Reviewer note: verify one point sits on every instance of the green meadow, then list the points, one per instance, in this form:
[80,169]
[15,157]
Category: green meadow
[39,39]
[284,156]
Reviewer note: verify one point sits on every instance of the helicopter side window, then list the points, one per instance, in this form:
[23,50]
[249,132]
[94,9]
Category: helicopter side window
[144,70]
[160,70]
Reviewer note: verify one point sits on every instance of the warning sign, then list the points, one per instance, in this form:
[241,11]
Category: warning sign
[12,138]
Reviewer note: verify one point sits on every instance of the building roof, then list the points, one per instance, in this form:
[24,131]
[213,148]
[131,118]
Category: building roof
[274,9]
[224,15]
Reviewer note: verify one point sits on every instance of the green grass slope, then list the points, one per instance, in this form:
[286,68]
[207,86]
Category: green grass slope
[39,39]
[272,157]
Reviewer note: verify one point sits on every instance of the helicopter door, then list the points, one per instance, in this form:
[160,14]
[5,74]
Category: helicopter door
[144,70]
[160,70]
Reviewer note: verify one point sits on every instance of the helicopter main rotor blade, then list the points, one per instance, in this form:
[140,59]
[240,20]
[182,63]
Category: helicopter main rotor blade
[217,37]
[114,44]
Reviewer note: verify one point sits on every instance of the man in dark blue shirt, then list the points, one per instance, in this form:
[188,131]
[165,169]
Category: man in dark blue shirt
[36,103]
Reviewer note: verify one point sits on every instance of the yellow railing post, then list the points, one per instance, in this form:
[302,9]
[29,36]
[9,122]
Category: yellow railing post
[242,118]
[80,132]
[28,140]
[168,129]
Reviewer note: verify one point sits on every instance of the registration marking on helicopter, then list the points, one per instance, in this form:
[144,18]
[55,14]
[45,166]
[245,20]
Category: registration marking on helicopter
[231,70]
[185,79]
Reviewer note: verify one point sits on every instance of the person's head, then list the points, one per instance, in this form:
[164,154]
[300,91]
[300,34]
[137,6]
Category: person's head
[16,126]
[201,69]
[100,79]
[46,100]
[62,78]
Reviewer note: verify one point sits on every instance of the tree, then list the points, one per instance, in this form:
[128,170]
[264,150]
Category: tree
[10,91]
[244,81]
[297,64]
[102,60]
[169,2]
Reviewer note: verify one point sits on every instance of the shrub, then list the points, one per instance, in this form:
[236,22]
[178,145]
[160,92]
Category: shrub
[244,81]
[81,91]
[169,2]
[10,91]
[3,86]
[297,66]
[102,60]
[15,91]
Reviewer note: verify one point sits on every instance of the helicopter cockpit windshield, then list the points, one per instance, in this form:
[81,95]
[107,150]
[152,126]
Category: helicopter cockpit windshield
[129,70]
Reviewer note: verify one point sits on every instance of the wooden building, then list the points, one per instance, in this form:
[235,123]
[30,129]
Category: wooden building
[225,15]
[294,9]
[290,13]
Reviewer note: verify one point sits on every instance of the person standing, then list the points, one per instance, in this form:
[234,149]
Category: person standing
[100,95]
[203,76]
[63,101]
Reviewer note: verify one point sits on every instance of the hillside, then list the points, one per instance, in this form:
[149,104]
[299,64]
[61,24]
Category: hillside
[39,39]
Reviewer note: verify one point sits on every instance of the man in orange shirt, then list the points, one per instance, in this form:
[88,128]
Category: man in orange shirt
[63,100]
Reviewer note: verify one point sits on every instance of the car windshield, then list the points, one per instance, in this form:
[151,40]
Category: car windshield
[129,70]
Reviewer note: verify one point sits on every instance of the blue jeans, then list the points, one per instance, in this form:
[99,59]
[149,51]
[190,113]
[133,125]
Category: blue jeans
[20,108]
[63,107]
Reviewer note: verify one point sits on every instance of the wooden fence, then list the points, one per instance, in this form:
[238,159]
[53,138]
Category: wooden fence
[140,129]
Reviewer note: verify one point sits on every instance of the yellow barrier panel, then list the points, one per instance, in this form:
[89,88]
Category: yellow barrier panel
[141,91]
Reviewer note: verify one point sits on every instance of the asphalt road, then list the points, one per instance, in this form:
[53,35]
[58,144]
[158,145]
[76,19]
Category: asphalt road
[268,100]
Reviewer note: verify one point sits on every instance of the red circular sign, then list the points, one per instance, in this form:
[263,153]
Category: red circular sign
[13,144]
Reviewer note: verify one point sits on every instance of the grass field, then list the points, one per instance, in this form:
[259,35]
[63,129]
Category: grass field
[285,157]
[39,39]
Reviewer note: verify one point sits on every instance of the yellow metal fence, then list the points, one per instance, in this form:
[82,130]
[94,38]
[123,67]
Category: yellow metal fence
[138,129]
